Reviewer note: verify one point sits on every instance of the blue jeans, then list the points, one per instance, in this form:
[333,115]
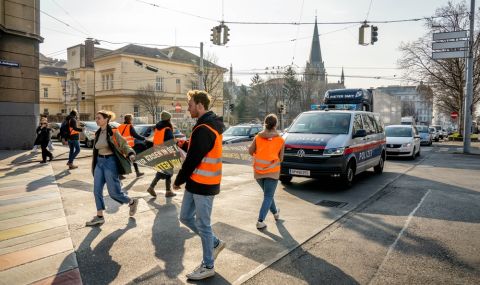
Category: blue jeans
[106,172]
[195,214]
[268,186]
[74,146]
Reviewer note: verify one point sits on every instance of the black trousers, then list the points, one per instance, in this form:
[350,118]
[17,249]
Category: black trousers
[45,152]
[159,176]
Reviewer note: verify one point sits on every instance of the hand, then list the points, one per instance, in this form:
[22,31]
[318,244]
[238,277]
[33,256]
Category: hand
[176,187]
[132,157]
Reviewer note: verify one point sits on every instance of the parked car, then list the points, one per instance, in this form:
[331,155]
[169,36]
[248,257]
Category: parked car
[402,140]
[87,136]
[339,144]
[241,133]
[55,130]
[434,134]
[439,130]
[425,136]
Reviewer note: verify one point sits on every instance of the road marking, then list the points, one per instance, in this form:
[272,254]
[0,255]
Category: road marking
[443,149]
[392,246]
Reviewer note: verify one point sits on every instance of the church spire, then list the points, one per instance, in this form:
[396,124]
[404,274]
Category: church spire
[342,78]
[315,52]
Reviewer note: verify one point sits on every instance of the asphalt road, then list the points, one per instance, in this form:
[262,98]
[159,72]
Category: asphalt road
[422,228]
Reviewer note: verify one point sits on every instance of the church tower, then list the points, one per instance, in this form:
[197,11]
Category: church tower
[315,68]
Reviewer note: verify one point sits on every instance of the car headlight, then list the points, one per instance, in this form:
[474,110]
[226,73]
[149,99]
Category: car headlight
[407,145]
[334,151]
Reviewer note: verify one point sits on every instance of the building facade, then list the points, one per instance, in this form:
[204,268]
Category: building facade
[19,78]
[52,95]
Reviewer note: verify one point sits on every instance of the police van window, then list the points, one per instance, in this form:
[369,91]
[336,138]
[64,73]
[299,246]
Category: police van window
[374,123]
[367,124]
[322,123]
[357,123]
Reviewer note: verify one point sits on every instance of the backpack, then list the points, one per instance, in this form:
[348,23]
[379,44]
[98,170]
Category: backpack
[65,129]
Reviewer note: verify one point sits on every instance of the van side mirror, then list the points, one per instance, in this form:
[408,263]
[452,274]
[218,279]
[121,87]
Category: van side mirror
[360,133]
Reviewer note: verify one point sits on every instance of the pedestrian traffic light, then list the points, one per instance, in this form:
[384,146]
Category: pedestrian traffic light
[225,34]
[374,34]
[231,107]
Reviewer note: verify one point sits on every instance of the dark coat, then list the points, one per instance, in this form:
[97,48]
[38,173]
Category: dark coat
[43,136]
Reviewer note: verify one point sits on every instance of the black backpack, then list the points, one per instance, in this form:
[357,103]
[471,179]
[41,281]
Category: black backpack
[65,129]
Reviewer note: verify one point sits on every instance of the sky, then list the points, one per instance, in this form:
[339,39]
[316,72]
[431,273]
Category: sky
[252,47]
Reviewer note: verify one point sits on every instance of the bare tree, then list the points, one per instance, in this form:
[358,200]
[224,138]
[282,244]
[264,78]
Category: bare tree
[212,77]
[445,76]
[149,99]
[258,92]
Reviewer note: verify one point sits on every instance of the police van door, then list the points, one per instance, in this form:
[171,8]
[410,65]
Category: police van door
[368,154]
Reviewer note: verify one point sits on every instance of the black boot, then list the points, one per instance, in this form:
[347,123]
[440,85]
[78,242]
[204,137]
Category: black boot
[139,174]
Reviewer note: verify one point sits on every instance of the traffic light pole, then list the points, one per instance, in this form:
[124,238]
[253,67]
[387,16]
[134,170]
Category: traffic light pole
[469,94]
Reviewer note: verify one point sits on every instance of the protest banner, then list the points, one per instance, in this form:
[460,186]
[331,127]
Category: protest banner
[237,153]
[162,158]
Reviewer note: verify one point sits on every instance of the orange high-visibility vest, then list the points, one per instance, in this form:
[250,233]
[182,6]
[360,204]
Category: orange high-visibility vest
[209,171]
[266,158]
[159,136]
[72,131]
[124,130]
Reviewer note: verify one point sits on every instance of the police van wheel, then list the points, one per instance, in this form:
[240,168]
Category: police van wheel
[379,167]
[285,179]
[348,175]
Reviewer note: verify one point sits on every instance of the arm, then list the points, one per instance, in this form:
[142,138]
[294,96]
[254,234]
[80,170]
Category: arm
[282,151]
[168,135]
[204,140]
[73,125]
[135,135]
[253,147]
[122,145]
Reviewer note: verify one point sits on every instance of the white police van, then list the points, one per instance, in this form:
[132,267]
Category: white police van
[337,143]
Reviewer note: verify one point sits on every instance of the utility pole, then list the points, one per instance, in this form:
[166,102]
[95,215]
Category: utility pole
[200,75]
[469,85]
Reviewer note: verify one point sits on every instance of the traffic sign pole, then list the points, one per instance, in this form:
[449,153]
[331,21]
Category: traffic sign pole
[469,87]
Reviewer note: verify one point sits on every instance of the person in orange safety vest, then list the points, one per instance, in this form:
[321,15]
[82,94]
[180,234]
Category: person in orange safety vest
[128,132]
[267,151]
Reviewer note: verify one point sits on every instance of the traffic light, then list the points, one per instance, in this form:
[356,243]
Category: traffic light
[231,107]
[281,109]
[225,34]
[361,34]
[215,36]
[374,34]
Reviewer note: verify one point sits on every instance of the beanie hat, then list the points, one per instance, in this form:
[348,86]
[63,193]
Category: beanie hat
[164,116]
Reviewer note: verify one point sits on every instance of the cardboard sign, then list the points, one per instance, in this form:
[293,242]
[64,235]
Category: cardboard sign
[237,153]
[163,158]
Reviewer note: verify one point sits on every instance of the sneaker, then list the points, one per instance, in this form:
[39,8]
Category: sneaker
[201,272]
[71,166]
[95,221]
[140,174]
[261,225]
[121,177]
[277,215]
[43,162]
[151,191]
[220,246]
[170,194]
[133,207]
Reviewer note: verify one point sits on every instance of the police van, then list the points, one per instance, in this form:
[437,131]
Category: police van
[336,143]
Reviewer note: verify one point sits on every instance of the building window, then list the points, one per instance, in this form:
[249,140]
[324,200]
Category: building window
[159,84]
[45,92]
[111,81]
[136,111]
[45,111]
[107,81]
[107,107]
[159,110]
[177,84]
[194,85]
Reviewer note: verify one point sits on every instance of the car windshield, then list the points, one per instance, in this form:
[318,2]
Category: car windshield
[322,123]
[422,129]
[91,126]
[398,132]
[141,130]
[237,131]
[432,130]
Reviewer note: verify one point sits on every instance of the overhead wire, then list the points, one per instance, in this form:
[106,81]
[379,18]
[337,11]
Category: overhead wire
[66,12]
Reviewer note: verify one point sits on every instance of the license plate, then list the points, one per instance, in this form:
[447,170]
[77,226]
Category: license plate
[393,149]
[299,172]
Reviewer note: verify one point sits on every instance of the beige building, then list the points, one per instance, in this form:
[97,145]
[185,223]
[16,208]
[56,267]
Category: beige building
[19,40]
[169,73]
[52,96]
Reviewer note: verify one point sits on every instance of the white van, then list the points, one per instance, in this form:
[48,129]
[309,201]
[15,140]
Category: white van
[333,143]
[407,121]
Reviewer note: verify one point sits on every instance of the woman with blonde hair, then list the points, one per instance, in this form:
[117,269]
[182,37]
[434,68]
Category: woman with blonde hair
[111,157]
[267,151]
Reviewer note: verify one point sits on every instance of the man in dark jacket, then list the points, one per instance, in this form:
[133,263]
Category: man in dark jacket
[73,142]
[201,171]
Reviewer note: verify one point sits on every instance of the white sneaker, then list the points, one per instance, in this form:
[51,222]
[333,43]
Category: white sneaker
[220,246]
[201,272]
[261,225]
[277,215]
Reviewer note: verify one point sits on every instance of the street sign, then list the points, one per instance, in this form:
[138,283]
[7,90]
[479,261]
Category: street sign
[447,45]
[9,63]
[454,115]
[449,35]
[450,54]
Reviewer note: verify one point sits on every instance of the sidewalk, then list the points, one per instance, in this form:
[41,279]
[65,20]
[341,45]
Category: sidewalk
[60,152]
[35,243]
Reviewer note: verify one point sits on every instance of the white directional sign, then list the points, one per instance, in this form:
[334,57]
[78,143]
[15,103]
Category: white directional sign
[447,45]
[449,54]
[449,35]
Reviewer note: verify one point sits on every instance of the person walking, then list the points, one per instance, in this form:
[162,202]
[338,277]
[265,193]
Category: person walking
[202,172]
[36,144]
[73,139]
[128,132]
[267,151]
[110,153]
[43,138]
[163,133]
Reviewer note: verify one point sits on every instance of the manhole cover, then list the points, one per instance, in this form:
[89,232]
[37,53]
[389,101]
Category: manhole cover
[331,204]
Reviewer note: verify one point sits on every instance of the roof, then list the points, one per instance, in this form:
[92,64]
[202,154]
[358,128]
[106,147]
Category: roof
[53,71]
[176,54]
